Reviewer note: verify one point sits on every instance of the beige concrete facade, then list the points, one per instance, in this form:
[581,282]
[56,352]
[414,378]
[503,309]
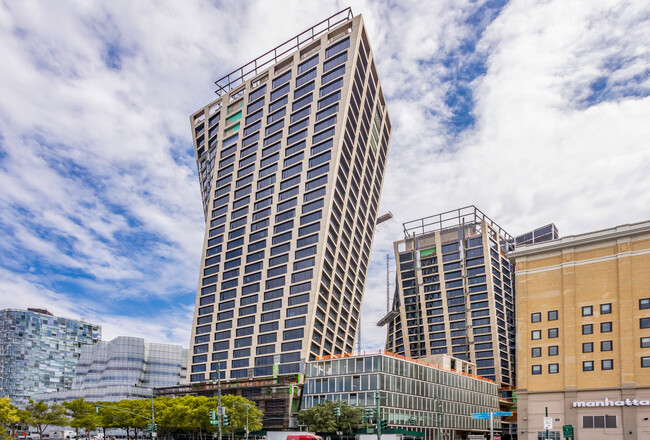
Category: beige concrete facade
[455,293]
[583,349]
[291,159]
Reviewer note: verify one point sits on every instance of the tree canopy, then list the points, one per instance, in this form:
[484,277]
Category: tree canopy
[188,414]
[40,415]
[82,415]
[322,418]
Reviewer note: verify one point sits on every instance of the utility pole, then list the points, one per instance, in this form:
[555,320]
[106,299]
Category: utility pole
[387,283]
[439,414]
[491,425]
[221,411]
[546,408]
[153,419]
[378,416]
[247,407]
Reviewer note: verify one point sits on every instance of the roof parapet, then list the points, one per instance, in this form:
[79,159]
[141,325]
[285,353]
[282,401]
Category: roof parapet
[270,58]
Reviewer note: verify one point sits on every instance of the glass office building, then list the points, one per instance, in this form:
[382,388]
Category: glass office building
[455,293]
[413,395]
[291,159]
[39,352]
[124,368]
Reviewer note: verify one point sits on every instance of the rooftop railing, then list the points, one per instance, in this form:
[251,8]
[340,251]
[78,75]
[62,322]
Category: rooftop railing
[451,219]
[251,69]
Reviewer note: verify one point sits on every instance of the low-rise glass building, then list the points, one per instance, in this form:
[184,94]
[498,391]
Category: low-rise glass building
[39,352]
[413,394]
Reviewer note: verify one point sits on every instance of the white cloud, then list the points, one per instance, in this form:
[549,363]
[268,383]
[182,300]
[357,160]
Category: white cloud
[99,185]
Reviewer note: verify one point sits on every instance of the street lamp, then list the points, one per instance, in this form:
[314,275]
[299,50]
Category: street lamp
[439,415]
[221,412]
[247,408]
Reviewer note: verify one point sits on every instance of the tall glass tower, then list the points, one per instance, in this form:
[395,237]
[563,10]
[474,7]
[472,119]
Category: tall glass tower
[39,352]
[291,159]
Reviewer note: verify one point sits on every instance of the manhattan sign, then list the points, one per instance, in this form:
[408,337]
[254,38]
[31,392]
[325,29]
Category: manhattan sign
[607,402]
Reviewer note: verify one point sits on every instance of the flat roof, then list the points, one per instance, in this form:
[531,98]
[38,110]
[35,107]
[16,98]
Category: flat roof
[404,358]
[614,233]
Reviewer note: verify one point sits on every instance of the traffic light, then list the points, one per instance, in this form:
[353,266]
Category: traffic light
[213,415]
[370,413]
[225,420]
[337,411]
[383,424]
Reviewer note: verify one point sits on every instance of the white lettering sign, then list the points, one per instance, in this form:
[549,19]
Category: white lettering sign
[548,422]
[607,402]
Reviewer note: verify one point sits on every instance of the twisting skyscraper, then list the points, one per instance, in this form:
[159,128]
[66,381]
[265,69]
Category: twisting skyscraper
[291,159]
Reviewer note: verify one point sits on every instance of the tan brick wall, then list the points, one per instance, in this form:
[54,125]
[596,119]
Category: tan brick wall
[615,272]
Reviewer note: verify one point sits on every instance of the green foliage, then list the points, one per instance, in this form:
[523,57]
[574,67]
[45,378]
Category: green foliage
[188,414]
[82,415]
[9,414]
[322,418]
[236,411]
[40,415]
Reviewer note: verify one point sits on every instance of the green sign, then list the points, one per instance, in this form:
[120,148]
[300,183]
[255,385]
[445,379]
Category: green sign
[567,430]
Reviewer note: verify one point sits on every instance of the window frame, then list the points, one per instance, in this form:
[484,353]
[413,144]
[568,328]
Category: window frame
[587,311]
[585,364]
[641,342]
[606,311]
[536,317]
[552,315]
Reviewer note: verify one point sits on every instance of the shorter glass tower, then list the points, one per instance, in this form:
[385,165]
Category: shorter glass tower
[39,352]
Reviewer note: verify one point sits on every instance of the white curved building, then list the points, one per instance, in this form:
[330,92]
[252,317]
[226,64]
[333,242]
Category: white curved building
[124,368]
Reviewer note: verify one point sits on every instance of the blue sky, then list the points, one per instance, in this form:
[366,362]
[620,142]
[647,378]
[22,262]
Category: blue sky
[535,111]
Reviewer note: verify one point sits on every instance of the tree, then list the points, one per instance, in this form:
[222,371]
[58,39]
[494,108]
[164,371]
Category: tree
[236,410]
[40,415]
[82,415]
[322,418]
[10,417]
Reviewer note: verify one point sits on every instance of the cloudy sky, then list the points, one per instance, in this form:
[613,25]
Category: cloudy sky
[535,111]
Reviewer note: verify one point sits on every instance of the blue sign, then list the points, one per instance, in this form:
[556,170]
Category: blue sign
[502,414]
[476,416]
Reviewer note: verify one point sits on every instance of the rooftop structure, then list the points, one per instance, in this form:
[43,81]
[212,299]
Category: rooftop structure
[250,70]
